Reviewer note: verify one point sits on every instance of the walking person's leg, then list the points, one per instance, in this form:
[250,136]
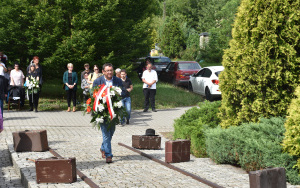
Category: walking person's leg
[128,108]
[146,103]
[152,99]
[123,119]
[106,144]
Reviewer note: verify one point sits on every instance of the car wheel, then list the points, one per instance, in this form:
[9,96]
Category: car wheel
[190,87]
[208,95]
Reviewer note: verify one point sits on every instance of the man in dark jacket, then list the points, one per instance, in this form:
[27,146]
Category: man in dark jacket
[110,80]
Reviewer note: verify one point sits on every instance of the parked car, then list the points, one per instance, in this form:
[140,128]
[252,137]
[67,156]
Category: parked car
[179,72]
[206,82]
[159,62]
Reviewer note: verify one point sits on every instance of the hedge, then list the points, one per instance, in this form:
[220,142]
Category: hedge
[252,146]
[194,122]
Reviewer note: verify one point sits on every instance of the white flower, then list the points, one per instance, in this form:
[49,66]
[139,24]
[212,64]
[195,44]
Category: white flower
[100,120]
[112,93]
[119,90]
[101,108]
[119,104]
[37,86]
[104,100]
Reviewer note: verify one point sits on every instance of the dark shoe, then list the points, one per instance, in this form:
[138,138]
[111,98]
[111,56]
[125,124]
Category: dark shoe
[108,160]
[103,154]
[127,122]
[31,109]
[36,110]
[145,110]
[154,110]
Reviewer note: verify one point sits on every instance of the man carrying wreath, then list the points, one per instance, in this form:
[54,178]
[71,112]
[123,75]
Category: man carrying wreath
[108,79]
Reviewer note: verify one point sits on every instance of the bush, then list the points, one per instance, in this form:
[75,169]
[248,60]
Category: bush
[194,122]
[291,142]
[262,65]
[252,146]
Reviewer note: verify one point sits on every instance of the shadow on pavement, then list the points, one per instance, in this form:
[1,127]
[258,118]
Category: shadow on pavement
[18,118]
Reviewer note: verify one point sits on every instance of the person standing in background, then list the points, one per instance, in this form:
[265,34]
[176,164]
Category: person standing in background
[7,78]
[87,70]
[34,97]
[127,84]
[3,94]
[149,78]
[70,80]
[3,58]
[17,81]
[38,69]
[118,72]
[85,86]
[93,76]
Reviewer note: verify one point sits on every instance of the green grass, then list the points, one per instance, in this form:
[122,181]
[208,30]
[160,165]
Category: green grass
[53,96]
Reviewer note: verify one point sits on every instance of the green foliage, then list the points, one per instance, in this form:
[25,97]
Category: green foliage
[76,31]
[172,41]
[195,122]
[252,146]
[291,142]
[262,65]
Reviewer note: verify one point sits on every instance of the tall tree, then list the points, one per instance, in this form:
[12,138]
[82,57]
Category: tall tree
[262,65]
[76,31]
[172,41]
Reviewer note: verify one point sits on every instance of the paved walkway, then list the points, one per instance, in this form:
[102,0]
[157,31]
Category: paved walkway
[71,135]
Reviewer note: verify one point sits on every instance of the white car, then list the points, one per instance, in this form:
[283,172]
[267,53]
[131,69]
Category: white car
[206,82]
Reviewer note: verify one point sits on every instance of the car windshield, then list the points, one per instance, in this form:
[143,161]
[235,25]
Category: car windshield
[189,66]
[161,61]
[218,73]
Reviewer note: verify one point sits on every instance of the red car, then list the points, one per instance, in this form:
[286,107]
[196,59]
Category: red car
[179,72]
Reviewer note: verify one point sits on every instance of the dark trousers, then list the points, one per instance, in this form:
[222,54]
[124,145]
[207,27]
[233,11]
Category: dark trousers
[34,103]
[71,94]
[149,94]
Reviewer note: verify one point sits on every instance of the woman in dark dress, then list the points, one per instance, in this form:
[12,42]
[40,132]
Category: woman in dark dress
[38,69]
[70,80]
[34,96]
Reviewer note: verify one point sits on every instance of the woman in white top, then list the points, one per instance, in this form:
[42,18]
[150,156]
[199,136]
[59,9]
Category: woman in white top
[93,76]
[16,76]
[17,80]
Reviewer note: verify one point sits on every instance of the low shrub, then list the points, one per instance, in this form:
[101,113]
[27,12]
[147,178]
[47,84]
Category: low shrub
[194,122]
[252,146]
[291,142]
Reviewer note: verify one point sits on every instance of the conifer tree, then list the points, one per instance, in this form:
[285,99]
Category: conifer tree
[262,65]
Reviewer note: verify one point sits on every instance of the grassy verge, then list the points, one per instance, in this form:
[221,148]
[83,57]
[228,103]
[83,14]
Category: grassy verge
[53,96]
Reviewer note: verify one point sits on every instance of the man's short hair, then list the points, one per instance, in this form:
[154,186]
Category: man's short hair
[107,65]
[118,70]
[86,64]
[123,70]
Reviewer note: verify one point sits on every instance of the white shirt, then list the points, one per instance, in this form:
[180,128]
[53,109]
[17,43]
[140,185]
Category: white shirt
[17,77]
[2,69]
[108,82]
[150,77]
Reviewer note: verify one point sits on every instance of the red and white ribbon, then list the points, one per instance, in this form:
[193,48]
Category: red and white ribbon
[106,90]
